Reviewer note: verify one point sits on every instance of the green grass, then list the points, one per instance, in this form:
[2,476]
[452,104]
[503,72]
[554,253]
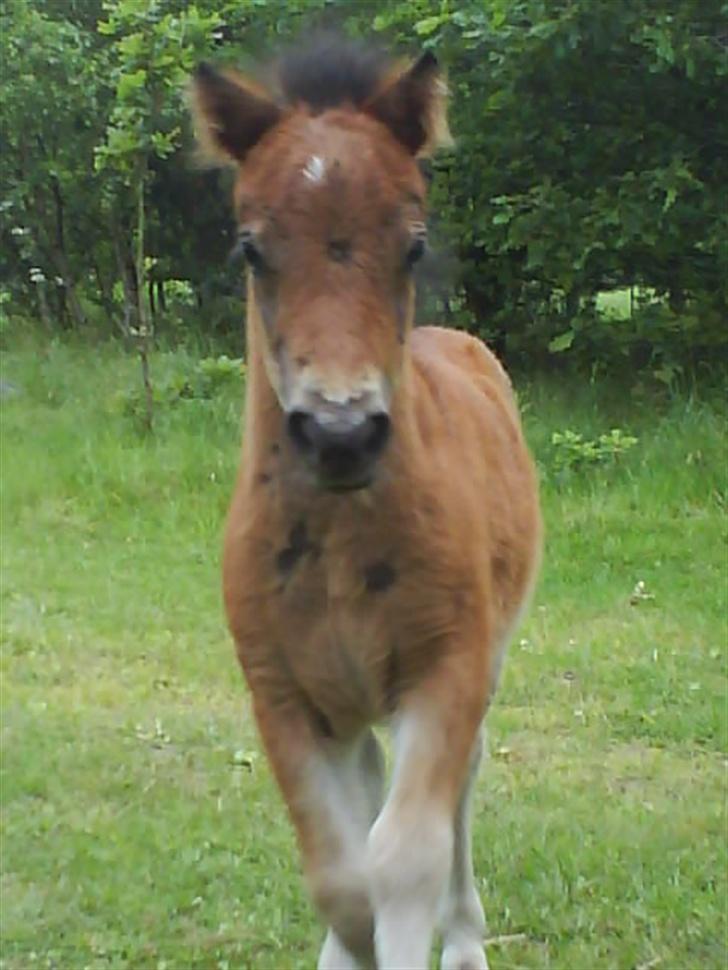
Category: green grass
[141,826]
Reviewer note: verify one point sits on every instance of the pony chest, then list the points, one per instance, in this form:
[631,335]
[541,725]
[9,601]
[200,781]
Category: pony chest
[362,589]
[351,612]
[338,588]
[333,614]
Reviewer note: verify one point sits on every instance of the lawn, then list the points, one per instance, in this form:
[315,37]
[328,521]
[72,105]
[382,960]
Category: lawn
[141,826]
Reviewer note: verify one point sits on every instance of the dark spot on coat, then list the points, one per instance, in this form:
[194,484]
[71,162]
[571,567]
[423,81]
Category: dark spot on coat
[302,361]
[500,567]
[287,559]
[339,250]
[379,576]
[275,448]
[298,545]
[263,478]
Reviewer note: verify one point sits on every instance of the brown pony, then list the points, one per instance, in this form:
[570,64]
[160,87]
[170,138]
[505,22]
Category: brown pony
[384,533]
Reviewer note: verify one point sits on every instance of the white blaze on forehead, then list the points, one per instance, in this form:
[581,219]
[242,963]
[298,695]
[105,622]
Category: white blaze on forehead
[315,169]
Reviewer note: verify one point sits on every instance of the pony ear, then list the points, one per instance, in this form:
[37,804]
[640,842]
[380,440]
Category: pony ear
[230,114]
[413,107]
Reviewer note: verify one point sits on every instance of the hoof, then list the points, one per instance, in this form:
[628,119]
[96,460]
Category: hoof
[464,957]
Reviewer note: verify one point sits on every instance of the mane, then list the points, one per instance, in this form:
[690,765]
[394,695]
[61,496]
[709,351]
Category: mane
[330,70]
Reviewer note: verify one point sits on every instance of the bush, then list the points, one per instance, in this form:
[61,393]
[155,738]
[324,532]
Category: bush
[207,379]
[571,452]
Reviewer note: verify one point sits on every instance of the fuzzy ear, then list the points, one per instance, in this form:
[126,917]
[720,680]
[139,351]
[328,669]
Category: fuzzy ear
[230,115]
[413,107]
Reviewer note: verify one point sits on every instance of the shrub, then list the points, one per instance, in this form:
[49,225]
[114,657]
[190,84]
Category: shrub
[571,452]
[209,378]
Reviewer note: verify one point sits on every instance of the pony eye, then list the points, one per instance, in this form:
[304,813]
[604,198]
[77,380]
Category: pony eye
[247,247]
[416,250]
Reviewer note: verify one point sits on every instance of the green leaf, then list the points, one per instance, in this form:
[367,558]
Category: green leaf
[427,26]
[130,83]
[670,197]
[562,342]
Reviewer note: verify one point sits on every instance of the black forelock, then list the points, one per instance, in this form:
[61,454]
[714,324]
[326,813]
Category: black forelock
[329,70]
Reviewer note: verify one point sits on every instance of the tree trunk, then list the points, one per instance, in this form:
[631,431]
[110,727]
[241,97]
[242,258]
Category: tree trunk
[77,311]
[144,329]
[105,292]
[45,314]
[676,300]
[70,295]
[60,258]
[127,274]
[60,300]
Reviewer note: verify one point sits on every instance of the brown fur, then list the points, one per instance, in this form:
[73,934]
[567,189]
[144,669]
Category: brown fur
[457,524]
[349,608]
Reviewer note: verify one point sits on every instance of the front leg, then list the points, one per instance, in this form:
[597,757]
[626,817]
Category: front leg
[335,956]
[463,921]
[363,778]
[411,845]
[333,791]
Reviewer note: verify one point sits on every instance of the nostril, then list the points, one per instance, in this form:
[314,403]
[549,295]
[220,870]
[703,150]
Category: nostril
[379,428]
[300,429]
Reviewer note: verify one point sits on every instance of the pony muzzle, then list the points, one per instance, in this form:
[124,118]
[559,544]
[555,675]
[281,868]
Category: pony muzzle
[340,443]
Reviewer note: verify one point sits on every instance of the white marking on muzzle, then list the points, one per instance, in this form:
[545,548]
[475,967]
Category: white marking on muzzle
[312,388]
[353,418]
[370,391]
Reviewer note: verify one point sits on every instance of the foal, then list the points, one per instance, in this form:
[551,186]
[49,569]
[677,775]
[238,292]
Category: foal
[384,533]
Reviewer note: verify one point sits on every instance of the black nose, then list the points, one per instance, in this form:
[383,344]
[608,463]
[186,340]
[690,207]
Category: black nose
[341,445]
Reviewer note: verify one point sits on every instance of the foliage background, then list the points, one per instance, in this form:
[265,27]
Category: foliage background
[591,159]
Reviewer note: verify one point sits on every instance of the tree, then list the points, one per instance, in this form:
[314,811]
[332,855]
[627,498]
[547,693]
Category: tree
[49,117]
[152,53]
[592,152]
